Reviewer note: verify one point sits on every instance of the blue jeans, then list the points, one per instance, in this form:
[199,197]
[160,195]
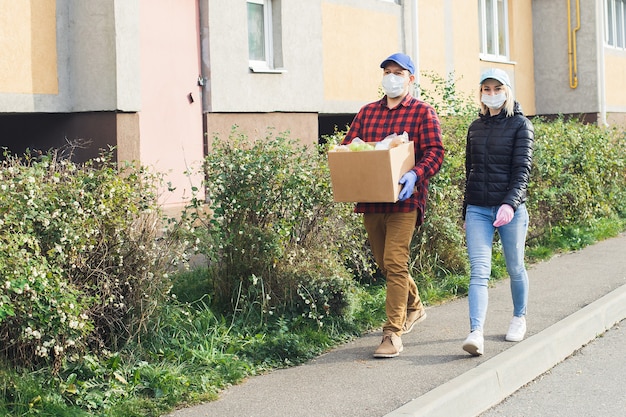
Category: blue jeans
[479,232]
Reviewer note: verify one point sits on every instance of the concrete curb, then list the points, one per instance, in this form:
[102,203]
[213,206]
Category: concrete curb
[488,384]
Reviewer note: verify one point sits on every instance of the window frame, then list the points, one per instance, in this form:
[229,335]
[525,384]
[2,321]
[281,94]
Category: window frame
[267,64]
[615,24]
[490,24]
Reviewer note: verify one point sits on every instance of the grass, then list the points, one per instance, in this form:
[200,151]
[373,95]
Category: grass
[192,353]
[572,237]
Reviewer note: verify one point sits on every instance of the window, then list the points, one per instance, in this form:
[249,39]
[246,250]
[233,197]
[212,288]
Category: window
[493,29]
[264,47]
[616,23]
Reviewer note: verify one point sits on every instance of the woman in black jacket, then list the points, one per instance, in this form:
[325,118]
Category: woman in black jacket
[497,163]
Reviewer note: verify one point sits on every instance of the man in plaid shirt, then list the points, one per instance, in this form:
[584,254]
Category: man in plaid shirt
[390,226]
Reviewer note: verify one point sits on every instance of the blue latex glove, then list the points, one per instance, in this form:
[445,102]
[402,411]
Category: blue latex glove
[408,181]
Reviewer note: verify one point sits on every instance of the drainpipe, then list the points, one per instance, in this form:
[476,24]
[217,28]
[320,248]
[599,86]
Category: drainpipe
[415,43]
[204,79]
[600,47]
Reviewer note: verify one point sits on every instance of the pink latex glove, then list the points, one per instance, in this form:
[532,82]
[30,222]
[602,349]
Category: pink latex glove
[504,216]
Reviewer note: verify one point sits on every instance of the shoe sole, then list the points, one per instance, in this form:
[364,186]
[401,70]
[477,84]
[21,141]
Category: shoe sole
[472,349]
[388,355]
[422,317]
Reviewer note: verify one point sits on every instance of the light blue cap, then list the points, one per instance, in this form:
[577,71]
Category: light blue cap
[496,74]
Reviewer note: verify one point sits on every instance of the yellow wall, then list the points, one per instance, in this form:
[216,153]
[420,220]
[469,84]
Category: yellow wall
[521,50]
[355,43]
[466,47]
[449,43]
[355,39]
[431,39]
[615,81]
[28,58]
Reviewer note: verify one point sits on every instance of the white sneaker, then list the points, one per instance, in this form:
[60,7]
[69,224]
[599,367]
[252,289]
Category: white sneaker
[517,329]
[475,343]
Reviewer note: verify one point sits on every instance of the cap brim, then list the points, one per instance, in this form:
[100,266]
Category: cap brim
[386,61]
[498,79]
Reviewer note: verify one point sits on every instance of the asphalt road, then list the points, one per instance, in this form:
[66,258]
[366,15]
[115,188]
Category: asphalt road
[591,382]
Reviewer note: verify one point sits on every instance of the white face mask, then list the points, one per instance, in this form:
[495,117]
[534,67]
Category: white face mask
[393,85]
[493,102]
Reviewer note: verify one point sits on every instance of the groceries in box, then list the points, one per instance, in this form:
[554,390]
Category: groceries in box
[368,172]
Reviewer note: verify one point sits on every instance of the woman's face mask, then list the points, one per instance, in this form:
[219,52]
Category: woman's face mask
[494,101]
[393,85]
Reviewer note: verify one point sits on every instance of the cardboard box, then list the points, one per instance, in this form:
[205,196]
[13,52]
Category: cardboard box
[370,176]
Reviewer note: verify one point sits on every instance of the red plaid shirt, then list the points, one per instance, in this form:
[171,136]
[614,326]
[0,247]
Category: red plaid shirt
[375,121]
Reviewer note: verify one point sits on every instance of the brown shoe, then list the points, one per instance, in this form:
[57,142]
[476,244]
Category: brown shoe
[390,347]
[413,317]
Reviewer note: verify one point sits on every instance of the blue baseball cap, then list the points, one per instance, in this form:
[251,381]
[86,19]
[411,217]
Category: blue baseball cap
[496,74]
[401,59]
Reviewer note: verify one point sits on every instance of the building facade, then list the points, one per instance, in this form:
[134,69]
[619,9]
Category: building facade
[158,79]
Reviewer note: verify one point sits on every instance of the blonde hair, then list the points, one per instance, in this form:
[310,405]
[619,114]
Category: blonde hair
[509,104]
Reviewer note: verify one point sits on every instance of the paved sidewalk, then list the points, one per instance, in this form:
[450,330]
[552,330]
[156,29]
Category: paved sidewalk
[573,298]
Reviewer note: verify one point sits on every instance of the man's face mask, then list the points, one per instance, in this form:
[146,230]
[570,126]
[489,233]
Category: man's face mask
[393,85]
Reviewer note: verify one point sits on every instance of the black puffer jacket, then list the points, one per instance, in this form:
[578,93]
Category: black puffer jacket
[498,160]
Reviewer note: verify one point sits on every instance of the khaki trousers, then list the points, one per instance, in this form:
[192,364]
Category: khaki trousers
[390,236]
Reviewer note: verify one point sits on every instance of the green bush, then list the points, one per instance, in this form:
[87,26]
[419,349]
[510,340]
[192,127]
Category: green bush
[82,265]
[578,175]
[577,182]
[272,236]
[85,253]
[438,246]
